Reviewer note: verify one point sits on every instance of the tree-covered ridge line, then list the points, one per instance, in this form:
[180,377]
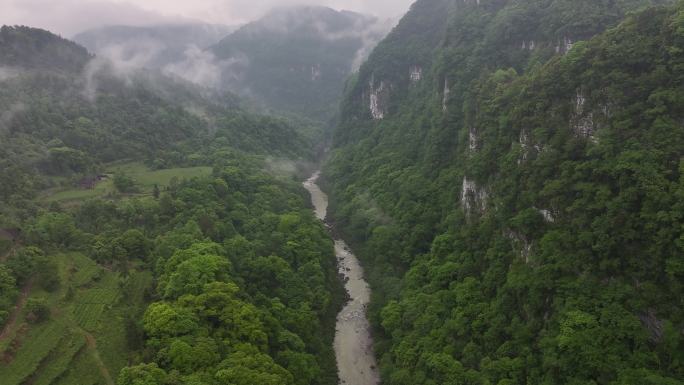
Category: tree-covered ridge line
[525,225]
[32,49]
[451,41]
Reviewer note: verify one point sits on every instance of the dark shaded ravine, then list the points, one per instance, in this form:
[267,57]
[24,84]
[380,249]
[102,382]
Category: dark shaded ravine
[356,363]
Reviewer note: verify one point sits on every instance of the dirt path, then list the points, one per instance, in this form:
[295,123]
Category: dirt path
[356,362]
[17,310]
[92,346]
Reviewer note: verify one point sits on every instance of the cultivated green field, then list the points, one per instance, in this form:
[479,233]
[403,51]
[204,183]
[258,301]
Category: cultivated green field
[145,179]
[84,341]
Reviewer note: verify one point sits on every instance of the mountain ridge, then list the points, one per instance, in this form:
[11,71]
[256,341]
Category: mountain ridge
[297,59]
[493,193]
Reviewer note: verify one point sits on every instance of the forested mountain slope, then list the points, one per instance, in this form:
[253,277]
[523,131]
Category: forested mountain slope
[515,189]
[213,274]
[297,59]
[65,114]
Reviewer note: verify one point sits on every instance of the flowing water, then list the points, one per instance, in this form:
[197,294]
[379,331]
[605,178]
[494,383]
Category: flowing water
[353,343]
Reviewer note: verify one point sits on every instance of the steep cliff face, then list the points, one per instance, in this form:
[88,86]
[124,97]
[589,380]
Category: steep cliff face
[524,166]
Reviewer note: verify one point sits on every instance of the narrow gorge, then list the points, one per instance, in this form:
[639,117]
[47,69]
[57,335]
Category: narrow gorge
[353,341]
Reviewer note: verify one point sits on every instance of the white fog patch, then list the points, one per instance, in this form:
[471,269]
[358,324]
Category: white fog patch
[281,167]
[125,62]
[132,55]
[90,83]
[120,60]
[370,38]
[199,67]
[199,112]
[9,114]
[7,73]
[368,32]
[203,68]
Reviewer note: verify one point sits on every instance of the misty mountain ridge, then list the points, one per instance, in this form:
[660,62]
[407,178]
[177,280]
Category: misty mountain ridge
[151,46]
[293,59]
[307,19]
[36,49]
[297,59]
[58,100]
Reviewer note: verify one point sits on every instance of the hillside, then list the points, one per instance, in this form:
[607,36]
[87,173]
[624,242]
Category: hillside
[297,59]
[67,121]
[511,176]
[152,231]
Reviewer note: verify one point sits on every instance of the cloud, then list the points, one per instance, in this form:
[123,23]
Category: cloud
[132,54]
[201,67]
[7,73]
[370,38]
[8,115]
[68,17]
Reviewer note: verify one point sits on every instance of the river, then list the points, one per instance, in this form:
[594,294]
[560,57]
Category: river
[356,363]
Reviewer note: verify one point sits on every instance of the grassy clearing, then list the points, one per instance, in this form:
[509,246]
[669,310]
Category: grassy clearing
[145,178]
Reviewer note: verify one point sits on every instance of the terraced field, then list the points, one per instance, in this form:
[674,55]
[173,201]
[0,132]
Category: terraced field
[84,341]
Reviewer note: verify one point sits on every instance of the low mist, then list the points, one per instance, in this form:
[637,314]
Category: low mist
[69,17]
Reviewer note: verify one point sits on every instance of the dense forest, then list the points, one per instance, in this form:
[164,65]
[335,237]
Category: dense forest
[510,173]
[511,176]
[213,271]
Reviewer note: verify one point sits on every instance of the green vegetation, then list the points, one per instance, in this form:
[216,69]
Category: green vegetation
[62,124]
[510,173]
[178,252]
[236,290]
[141,181]
[244,274]
[526,226]
[48,341]
[60,359]
[35,348]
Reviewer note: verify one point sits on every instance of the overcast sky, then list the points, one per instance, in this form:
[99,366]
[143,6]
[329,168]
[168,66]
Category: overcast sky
[68,17]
